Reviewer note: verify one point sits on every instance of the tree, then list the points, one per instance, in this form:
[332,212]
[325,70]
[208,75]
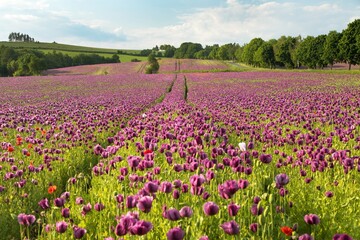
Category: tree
[188,50]
[331,48]
[250,49]
[153,64]
[348,44]
[264,56]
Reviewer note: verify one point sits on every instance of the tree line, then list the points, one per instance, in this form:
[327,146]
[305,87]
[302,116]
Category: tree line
[32,62]
[284,52]
[20,37]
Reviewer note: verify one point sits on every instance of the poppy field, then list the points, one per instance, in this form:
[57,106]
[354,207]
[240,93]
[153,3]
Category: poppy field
[221,155]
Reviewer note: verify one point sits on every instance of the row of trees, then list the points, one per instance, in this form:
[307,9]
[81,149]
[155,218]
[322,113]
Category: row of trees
[32,62]
[287,51]
[20,37]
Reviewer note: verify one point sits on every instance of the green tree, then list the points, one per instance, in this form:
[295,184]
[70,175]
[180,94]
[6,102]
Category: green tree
[264,56]
[348,44]
[250,49]
[331,48]
[153,64]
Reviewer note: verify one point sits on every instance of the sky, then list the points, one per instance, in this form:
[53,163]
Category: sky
[142,24]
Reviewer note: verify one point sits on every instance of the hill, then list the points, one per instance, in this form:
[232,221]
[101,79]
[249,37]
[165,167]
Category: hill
[66,47]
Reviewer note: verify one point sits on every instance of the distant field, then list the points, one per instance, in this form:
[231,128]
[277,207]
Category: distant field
[123,57]
[64,47]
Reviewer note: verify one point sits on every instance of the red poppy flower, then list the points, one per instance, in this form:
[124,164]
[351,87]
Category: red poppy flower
[10,149]
[147,151]
[287,230]
[51,189]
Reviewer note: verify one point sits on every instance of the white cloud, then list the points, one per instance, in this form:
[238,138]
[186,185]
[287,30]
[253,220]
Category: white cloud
[233,21]
[20,17]
[24,4]
[239,22]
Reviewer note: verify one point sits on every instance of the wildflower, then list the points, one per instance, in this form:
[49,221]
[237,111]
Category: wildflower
[172,214]
[312,219]
[59,202]
[99,206]
[186,212]
[26,220]
[265,158]
[10,149]
[44,203]
[253,227]
[175,233]
[306,237]
[148,151]
[286,230]
[65,212]
[51,189]
[341,237]
[79,200]
[329,194]
[242,146]
[210,208]
[256,210]
[231,228]
[141,228]
[145,204]
[78,232]
[233,209]
[61,227]
[281,180]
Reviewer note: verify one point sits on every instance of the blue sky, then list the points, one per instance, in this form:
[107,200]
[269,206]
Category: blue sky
[139,24]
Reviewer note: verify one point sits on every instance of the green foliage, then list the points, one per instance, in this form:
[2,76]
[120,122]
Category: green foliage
[26,62]
[250,49]
[331,48]
[188,50]
[349,43]
[153,65]
[264,56]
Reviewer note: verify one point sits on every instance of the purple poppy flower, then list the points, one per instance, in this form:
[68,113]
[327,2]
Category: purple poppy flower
[233,209]
[256,199]
[210,208]
[86,209]
[61,227]
[79,200]
[173,214]
[204,238]
[25,219]
[306,237]
[253,227]
[175,233]
[65,212]
[141,228]
[176,194]
[99,206]
[145,204]
[131,201]
[265,158]
[329,194]
[341,237]
[228,189]
[44,203]
[256,210]
[231,228]
[59,202]
[281,180]
[312,219]
[151,187]
[186,212]
[166,187]
[78,232]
